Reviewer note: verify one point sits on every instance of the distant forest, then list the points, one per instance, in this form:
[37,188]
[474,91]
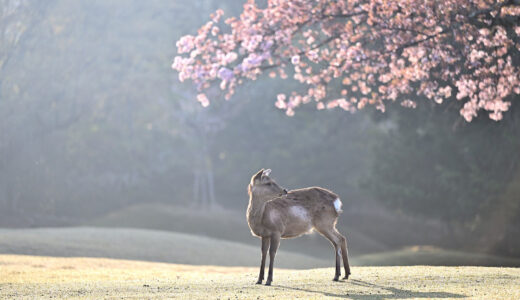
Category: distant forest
[92,119]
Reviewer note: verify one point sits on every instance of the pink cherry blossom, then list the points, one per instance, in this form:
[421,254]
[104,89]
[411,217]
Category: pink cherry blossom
[225,74]
[373,51]
[203,100]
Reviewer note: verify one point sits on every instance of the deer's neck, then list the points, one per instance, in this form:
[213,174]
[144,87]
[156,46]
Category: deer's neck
[255,211]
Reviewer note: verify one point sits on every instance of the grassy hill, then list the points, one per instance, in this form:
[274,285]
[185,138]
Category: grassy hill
[173,247]
[365,250]
[94,278]
[224,224]
[427,255]
[141,244]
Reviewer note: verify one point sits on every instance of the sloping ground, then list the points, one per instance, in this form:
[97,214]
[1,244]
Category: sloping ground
[426,255]
[364,249]
[172,247]
[94,278]
[141,244]
[228,225]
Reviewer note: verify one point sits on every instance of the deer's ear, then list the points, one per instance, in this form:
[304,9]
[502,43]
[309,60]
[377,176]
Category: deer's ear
[266,172]
[257,176]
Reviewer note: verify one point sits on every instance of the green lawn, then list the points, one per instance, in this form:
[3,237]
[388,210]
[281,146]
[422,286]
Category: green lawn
[33,277]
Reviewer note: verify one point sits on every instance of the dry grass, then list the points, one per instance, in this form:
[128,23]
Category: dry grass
[32,277]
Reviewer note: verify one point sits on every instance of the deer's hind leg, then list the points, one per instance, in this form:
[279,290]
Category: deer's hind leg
[328,231]
[344,252]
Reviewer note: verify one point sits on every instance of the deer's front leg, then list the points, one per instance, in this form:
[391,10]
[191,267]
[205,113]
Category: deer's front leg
[275,241]
[265,247]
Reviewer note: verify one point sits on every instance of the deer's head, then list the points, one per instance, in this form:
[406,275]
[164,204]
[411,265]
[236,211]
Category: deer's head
[262,185]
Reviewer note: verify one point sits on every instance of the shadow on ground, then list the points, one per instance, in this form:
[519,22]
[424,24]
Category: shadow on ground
[394,293]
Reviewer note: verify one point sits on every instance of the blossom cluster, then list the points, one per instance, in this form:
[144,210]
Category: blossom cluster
[349,54]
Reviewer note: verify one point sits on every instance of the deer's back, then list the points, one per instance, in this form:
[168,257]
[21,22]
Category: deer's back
[312,195]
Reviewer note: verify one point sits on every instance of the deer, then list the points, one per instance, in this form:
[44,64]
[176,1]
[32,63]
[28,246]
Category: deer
[274,213]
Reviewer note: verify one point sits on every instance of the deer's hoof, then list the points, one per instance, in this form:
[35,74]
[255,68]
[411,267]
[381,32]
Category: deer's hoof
[268,283]
[259,282]
[335,278]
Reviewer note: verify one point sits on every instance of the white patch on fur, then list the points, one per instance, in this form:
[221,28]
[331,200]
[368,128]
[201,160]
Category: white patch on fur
[337,205]
[299,212]
[274,216]
[339,251]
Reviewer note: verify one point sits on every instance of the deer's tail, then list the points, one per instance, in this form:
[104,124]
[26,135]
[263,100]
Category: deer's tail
[337,205]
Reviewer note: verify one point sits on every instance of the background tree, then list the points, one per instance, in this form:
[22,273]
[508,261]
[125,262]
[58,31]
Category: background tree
[201,128]
[92,124]
[443,168]
[18,20]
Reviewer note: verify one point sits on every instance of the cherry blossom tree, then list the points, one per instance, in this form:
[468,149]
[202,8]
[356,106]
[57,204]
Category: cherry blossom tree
[349,54]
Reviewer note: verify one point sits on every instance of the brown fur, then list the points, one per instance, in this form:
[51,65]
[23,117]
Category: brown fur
[274,213]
